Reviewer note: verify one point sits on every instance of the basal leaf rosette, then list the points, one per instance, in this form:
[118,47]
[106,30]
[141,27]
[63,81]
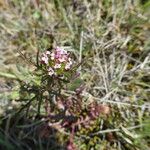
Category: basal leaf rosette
[56,63]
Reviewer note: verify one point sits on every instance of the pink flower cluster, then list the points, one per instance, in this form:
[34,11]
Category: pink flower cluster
[56,61]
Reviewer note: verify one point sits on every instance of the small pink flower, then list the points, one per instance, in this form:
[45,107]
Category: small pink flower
[70,61]
[57,66]
[67,66]
[60,50]
[47,52]
[44,59]
[50,71]
[52,56]
[62,59]
[57,55]
[63,52]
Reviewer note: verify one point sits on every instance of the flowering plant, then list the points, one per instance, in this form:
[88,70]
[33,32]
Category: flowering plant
[56,62]
[47,98]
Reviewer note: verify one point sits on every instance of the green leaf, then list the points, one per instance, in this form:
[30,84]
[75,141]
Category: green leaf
[146,5]
[30,125]
[37,15]
[73,85]
[7,75]
[129,133]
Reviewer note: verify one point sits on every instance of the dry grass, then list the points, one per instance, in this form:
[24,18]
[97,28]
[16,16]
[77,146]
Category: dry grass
[112,36]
